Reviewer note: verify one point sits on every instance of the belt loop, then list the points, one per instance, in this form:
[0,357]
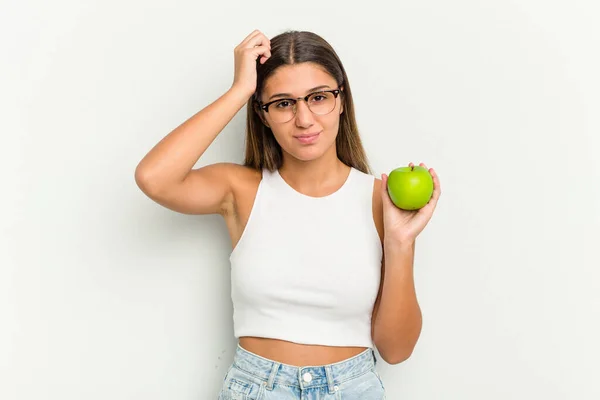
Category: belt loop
[274,370]
[329,375]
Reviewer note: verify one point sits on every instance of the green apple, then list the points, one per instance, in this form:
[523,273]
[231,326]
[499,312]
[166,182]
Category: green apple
[410,188]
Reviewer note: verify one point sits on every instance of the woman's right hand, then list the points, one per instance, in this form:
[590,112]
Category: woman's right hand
[246,53]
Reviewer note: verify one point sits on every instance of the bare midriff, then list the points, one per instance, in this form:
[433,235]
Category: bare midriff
[297,354]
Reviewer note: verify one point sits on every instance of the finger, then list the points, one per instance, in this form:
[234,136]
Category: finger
[258,40]
[429,208]
[437,189]
[384,179]
[411,164]
[261,51]
[385,196]
[252,35]
[432,203]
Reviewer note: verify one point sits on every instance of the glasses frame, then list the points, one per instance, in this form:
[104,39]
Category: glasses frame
[265,107]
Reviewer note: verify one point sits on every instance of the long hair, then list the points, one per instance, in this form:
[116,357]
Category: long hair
[294,47]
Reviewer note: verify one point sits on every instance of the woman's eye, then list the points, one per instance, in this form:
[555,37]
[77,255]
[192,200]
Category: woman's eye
[283,104]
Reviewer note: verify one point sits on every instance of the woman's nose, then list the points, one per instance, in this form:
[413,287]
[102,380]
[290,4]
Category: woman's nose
[304,117]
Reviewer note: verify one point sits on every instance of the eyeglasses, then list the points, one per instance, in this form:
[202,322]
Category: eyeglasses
[319,103]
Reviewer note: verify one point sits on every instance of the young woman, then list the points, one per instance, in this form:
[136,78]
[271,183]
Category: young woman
[322,261]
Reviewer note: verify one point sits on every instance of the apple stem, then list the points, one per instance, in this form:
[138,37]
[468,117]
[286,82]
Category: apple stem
[412,168]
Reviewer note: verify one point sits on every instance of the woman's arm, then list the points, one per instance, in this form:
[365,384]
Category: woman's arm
[397,315]
[165,174]
[397,318]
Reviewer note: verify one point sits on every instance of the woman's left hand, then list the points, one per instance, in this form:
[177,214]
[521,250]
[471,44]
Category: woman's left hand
[402,226]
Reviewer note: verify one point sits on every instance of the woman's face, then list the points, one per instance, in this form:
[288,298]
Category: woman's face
[307,136]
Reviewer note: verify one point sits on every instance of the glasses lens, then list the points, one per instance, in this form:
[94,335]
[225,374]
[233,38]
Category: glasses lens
[282,111]
[321,103]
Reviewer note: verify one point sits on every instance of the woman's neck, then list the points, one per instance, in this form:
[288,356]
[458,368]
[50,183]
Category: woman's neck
[316,177]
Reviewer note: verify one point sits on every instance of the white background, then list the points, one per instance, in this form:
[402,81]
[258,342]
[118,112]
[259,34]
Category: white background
[106,295]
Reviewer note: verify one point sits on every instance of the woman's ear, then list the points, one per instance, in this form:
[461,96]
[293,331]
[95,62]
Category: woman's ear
[342,99]
[258,111]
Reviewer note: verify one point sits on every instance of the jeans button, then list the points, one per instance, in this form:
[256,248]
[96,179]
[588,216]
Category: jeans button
[307,377]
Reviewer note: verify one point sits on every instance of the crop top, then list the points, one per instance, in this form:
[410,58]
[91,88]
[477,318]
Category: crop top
[307,269]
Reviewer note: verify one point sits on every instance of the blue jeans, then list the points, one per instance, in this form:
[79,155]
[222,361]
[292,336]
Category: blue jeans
[252,377]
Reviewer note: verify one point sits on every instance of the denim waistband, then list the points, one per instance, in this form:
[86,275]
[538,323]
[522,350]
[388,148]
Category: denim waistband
[304,377]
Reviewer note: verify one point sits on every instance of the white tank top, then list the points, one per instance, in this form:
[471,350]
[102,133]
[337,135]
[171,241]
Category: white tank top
[307,269]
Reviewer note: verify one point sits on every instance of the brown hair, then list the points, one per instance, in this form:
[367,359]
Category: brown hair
[294,47]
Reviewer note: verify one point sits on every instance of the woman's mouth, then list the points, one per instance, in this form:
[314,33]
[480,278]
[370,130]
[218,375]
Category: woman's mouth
[308,138]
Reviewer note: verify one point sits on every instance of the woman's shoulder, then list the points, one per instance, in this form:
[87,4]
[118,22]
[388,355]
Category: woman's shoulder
[241,170]
[369,177]
[244,180]
[240,175]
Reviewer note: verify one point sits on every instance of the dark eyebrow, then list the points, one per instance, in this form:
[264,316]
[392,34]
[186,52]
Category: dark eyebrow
[291,95]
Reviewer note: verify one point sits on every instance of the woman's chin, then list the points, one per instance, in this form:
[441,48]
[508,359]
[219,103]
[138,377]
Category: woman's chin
[307,154]
[310,153]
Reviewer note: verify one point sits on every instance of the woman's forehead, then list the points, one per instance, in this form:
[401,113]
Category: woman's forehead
[297,80]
